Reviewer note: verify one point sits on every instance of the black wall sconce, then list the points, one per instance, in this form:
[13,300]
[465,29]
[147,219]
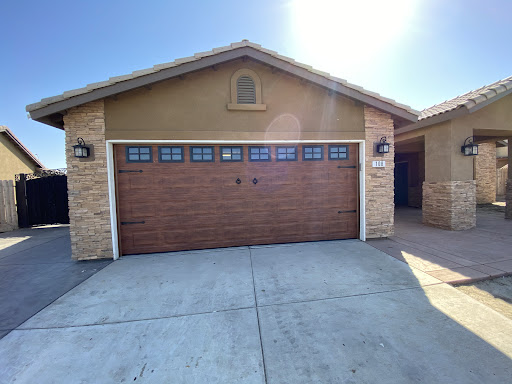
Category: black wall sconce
[383,146]
[469,148]
[81,150]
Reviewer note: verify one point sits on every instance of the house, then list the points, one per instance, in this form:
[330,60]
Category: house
[15,158]
[434,171]
[234,146]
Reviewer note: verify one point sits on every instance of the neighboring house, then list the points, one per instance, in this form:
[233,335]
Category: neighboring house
[234,146]
[431,170]
[15,158]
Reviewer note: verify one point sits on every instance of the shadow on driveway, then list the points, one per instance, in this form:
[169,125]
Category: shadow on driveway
[320,312]
[35,270]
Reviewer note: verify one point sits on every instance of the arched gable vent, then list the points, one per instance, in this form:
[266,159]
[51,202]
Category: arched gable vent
[246,90]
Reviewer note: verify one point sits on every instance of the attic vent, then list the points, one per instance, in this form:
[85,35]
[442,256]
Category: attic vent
[246,91]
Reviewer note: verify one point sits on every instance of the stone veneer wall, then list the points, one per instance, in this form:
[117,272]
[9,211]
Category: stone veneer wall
[508,200]
[89,211]
[450,204]
[380,205]
[485,173]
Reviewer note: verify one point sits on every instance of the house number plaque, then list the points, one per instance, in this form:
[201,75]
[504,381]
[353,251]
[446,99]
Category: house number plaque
[378,164]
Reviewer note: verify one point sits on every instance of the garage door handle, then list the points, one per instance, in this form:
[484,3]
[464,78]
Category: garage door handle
[346,166]
[238,181]
[125,171]
[132,222]
[255,181]
[347,211]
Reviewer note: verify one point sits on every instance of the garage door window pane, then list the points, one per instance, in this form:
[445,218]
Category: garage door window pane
[139,155]
[231,154]
[259,154]
[338,152]
[170,155]
[286,153]
[202,154]
[312,152]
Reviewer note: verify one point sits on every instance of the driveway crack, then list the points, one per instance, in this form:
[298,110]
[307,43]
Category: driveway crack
[258,318]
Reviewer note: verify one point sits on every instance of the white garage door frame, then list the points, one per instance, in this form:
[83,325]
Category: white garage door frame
[112,185]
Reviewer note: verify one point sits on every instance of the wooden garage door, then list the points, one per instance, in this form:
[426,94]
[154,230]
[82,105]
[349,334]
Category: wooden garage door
[168,206]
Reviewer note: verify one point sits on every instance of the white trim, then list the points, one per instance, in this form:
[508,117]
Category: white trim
[111,175]
[112,199]
[362,191]
[232,141]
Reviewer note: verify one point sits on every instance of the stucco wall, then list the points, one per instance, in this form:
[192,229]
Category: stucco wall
[195,107]
[12,160]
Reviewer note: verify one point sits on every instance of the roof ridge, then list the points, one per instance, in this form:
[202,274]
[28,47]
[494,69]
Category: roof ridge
[198,56]
[12,136]
[469,99]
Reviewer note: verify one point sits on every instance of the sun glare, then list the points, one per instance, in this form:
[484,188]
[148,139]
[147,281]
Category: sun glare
[347,34]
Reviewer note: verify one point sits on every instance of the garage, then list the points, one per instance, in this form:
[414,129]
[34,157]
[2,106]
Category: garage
[174,197]
[230,147]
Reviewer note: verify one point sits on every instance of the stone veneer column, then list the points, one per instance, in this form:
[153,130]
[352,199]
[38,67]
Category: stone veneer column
[380,204]
[89,211]
[508,196]
[450,204]
[485,173]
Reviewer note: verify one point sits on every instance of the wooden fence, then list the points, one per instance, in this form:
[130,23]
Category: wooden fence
[8,215]
[501,180]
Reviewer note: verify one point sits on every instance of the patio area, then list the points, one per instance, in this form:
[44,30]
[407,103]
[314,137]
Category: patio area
[452,256]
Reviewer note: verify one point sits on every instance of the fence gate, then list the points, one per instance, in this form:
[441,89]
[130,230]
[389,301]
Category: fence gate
[42,198]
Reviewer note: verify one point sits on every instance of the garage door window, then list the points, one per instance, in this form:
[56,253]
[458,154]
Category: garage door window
[338,152]
[139,155]
[312,152]
[231,154]
[286,153]
[170,155]
[259,154]
[202,154]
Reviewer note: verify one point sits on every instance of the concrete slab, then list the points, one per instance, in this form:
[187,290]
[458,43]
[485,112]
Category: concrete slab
[319,270]
[456,275]
[222,347]
[26,289]
[452,256]
[36,269]
[154,286]
[393,337]
[27,238]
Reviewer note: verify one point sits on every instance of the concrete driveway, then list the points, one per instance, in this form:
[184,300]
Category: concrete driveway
[326,312]
[35,270]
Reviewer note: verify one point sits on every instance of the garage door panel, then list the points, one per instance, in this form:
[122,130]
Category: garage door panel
[193,205]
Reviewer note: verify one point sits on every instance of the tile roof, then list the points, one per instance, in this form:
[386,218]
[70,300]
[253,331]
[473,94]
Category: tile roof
[470,99]
[198,56]
[6,131]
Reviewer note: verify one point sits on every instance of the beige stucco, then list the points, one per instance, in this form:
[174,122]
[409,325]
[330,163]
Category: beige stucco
[496,116]
[196,108]
[12,160]
[443,158]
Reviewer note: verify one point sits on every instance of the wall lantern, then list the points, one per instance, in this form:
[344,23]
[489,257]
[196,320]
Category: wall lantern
[81,150]
[469,148]
[383,146]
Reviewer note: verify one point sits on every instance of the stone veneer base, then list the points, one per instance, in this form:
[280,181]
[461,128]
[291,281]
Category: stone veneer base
[450,204]
[508,200]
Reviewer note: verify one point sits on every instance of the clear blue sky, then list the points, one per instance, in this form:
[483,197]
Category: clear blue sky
[418,52]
